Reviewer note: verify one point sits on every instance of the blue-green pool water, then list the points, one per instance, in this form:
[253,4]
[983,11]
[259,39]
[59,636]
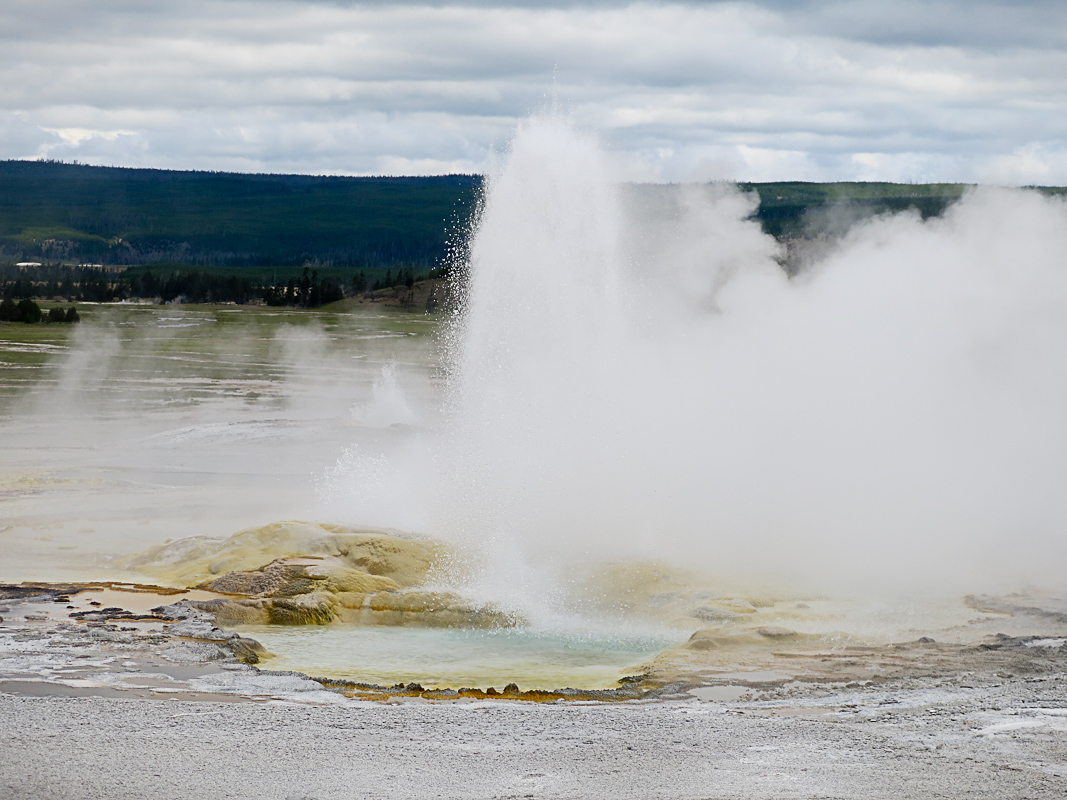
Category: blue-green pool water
[456,658]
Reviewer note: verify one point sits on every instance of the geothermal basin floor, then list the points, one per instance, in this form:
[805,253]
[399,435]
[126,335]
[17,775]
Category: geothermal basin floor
[163,710]
[997,742]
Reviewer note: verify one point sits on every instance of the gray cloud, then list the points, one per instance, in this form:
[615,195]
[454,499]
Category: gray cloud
[819,89]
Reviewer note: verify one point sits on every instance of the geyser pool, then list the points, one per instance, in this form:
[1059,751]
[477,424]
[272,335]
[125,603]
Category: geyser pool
[457,658]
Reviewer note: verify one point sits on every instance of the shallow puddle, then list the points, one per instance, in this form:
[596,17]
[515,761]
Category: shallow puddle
[719,694]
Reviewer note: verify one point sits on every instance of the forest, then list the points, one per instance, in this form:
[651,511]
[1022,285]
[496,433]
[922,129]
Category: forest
[73,213]
[107,233]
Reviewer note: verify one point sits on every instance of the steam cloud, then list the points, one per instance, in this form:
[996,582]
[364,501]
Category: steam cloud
[642,380]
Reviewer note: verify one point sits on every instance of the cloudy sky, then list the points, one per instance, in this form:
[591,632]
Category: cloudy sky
[970,90]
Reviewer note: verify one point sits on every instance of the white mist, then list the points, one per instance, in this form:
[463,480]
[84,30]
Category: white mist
[636,380]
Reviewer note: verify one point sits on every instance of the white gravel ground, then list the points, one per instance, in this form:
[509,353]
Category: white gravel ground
[1003,742]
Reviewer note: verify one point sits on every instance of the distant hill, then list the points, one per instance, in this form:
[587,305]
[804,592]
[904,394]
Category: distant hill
[791,209]
[72,213]
[107,215]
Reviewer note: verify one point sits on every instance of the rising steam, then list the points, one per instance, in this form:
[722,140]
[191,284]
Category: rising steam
[642,380]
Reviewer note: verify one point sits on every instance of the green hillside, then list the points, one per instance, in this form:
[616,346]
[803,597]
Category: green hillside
[75,213]
[228,237]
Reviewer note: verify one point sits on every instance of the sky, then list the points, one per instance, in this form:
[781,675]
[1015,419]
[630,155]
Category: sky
[950,90]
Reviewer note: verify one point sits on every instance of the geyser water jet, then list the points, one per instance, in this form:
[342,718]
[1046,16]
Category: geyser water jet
[633,376]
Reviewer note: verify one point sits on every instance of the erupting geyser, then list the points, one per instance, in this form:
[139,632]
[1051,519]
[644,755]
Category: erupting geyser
[634,377]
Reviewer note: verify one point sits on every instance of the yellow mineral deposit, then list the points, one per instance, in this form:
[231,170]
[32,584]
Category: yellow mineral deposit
[295,573]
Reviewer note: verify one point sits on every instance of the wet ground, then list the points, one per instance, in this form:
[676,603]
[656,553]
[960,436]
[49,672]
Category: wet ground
[147,423]
[53,639]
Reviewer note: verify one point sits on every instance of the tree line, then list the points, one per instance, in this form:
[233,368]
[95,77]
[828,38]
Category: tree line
[25,310]
[75,213]
[308,289]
